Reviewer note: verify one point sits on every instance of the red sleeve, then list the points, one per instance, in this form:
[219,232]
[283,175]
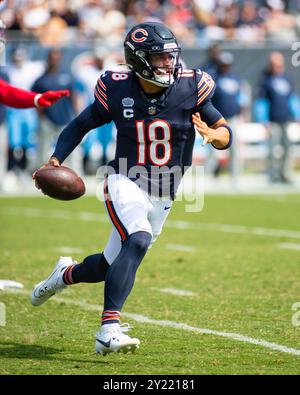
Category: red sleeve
[15,97]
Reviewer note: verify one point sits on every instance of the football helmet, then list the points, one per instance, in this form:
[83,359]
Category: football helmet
[147,39]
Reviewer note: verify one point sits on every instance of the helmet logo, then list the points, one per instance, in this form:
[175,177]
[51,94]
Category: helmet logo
[142,35]
[170,45]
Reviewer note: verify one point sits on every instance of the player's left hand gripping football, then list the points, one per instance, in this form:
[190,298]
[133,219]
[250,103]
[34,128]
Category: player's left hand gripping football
[49,98]
[206,132]
[52,162]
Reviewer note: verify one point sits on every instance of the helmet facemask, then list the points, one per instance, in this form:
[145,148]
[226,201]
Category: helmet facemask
[164,71]
[156,73]
[152,53]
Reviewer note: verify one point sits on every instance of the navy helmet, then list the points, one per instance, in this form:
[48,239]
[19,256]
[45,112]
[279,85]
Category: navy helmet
[146,39]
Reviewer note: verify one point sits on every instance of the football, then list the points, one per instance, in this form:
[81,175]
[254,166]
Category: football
[60,183]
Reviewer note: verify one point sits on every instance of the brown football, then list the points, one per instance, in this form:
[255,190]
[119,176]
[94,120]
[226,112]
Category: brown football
[60,183]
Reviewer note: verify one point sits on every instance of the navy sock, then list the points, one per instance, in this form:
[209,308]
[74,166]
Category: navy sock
[121,273]
[92,270]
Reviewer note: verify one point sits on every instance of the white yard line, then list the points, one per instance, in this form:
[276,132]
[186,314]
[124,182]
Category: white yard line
[68,250]
[239,229]
[180,247]
[289,246]
[177,292]
[274,199]
[176,325]
[183,225]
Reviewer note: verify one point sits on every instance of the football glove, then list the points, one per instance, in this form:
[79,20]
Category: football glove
[48,98]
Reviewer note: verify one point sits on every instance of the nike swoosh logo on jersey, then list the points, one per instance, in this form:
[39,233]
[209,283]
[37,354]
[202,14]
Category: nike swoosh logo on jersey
[105,344]
[167,208]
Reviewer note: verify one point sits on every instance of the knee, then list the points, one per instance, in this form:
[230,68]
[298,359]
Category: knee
[140,241]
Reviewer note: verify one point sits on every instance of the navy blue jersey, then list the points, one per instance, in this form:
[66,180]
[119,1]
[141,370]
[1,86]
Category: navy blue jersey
[154,132]
[277,90]
[227,95]
[62,112]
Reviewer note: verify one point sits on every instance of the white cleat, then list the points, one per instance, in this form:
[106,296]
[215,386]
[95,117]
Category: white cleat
[53,284]
[111,338]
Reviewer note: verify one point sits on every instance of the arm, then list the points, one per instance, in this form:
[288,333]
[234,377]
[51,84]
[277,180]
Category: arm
[212,126]
[73,133]
[20,98]
[294,107]
[93,116]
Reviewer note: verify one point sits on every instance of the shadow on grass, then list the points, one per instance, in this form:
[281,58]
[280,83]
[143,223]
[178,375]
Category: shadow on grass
[26,351]
[34,351]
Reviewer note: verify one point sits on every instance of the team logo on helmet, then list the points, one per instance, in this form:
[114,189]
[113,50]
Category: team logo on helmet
[139,35]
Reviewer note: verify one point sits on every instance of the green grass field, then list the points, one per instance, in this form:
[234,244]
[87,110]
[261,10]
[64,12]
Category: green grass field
[244,284]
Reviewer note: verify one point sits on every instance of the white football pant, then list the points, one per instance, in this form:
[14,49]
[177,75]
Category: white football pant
[131,210]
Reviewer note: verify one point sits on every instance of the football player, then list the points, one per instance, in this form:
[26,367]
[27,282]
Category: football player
[156,107]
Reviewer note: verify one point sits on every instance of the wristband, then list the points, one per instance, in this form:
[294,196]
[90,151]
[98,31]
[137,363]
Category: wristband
[230,137]
[36,99]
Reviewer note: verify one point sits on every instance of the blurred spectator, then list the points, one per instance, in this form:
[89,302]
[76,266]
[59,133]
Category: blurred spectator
[279,25]
[181,20]
[250,23]
[87,69]
[193,21]
[67,11]
[17,22]
[14,97]
[90,17]
[274,108]
[22,124]
[54,118]
[54,32]
[228,20]
[36,16]
[113,26]
[229,101]
[212,63]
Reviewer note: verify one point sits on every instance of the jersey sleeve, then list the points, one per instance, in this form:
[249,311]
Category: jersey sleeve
[73,133]
[205,87]
[15,97]
[209,113]
[101,94]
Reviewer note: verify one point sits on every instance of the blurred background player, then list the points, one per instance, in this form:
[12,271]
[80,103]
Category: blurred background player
[276,97]
[211,64]
[22,125]
[230,99]
[87,68]
[21,99]
[52,119]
